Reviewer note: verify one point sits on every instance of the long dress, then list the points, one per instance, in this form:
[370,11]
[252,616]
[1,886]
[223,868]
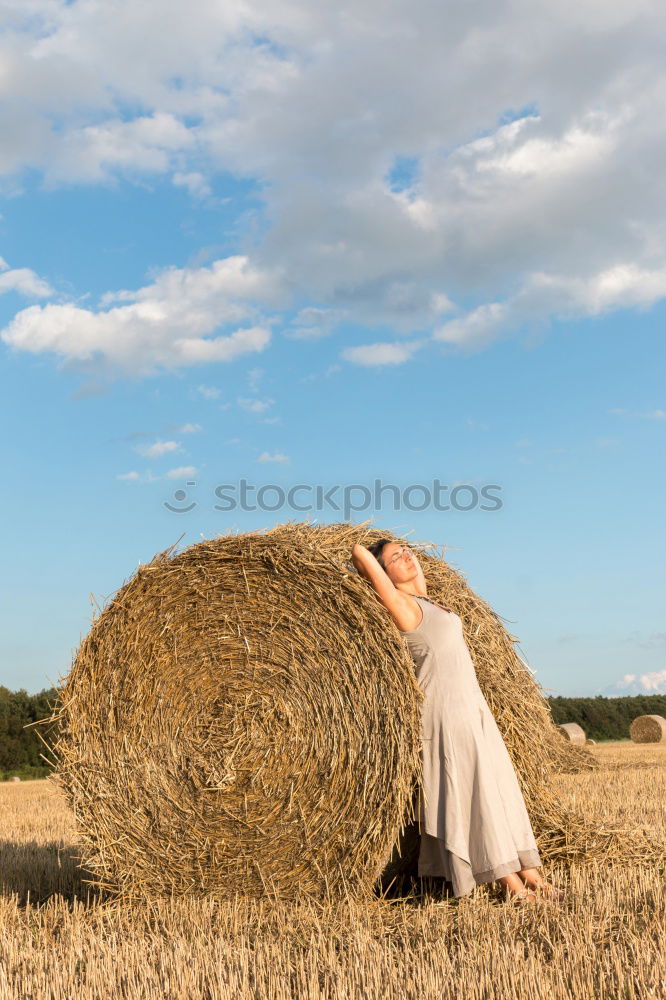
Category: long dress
[473,821]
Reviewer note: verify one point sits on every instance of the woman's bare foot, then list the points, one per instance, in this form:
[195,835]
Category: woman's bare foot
[516,892]
[526,895]
[546,890]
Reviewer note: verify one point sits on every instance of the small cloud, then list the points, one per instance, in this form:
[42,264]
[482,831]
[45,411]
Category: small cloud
[653,682]
[136,477]
[254,377]
[233,441]
[313,376]
[182,472]
[24,281]
[254,405]
[209,391]
[157,449]
[271,420]
[277,457]
[189,429]
[196,184]
[440,303]
[649,415]
[371,355]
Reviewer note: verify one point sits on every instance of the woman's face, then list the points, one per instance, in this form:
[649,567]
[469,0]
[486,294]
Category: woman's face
[399,562]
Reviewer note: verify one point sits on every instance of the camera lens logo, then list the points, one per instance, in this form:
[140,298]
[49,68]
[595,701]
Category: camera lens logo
[180,496]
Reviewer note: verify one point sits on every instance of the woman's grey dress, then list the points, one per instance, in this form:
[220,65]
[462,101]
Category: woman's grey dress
[474,824]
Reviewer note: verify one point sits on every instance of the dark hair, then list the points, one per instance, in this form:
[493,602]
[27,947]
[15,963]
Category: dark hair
[376,549]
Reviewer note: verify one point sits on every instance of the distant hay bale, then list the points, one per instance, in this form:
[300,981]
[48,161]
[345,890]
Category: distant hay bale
[15,777]
[243,716]
[648,729]
[590,743]
[574,733]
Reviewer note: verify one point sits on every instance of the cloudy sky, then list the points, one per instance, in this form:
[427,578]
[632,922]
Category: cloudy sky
[336,245]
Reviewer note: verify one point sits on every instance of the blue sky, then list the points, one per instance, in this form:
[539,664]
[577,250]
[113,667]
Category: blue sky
[258,257]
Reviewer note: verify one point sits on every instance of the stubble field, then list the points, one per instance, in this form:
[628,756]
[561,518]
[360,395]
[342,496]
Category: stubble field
[60,941]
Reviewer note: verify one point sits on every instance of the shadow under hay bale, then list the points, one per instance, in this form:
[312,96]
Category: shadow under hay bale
[573,733]
[648,729]
[244,716]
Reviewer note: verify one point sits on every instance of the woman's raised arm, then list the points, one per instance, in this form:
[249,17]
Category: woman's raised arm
[401,607]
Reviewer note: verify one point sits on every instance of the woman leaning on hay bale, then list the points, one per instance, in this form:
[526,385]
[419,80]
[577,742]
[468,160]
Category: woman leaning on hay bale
[475,827]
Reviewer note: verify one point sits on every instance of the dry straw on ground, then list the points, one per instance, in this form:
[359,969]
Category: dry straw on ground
[573,732]
[244,716]
[648,729]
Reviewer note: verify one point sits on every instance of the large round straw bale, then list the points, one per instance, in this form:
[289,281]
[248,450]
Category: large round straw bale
[244,716]
[574,733]
[239,716]
[648,729]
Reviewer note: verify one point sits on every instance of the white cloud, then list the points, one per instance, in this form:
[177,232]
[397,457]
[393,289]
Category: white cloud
[653,682]
[275,457]
[549,211]
[157,449]
[649,415]
[162,326]
[254,405]
[189,428]
[194,182]
[24,281]
[375,355]
[544,296]
[209,391]
[254,377]
[182,472]
[137,477]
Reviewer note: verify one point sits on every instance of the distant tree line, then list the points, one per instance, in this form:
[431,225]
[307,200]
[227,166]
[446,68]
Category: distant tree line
[20,748]
[606,718]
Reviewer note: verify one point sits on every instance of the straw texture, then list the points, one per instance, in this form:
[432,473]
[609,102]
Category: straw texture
[648,729]
[574,733]
[244,716]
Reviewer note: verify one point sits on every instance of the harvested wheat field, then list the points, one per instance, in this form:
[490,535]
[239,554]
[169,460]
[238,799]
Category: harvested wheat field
[244,716]
[61,941]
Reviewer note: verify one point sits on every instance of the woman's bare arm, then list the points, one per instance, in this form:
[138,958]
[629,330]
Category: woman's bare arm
[403,609]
